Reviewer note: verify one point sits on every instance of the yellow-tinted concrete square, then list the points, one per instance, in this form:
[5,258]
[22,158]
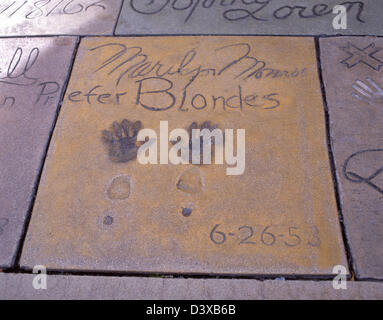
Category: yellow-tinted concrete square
[98,208]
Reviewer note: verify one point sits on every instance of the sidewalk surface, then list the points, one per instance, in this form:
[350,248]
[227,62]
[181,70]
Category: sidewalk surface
[296,200]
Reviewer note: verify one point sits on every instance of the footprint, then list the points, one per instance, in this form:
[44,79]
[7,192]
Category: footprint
[119,188]
[190,181]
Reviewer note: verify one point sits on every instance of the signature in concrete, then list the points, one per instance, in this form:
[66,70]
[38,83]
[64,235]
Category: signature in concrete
[134,62]
[121,140]
[17,71]
[236,10]
[357,160]
[369,92]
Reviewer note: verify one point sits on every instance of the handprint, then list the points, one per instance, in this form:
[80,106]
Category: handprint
[195,138]
[370,93]
[206,125]
[121,140]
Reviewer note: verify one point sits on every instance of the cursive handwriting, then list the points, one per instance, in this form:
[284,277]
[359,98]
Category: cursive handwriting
[356,177]
[132,62]
[17,73]
[235,10]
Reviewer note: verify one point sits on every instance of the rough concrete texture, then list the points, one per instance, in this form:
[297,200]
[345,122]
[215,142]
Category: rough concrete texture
[20,286]
[292,17]
[352,70]
[99,209]
[32,73]
[54,17]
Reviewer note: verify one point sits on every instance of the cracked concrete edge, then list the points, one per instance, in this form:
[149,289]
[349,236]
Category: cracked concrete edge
[63,287]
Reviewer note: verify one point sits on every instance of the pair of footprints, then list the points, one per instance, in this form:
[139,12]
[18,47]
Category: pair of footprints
[190,181]
[121,139]
[119,189]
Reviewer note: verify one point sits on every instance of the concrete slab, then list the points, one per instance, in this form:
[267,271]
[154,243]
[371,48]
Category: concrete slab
[98,208]
[55,17]
[279,17]
[32,74]
[352,70]
[19,286]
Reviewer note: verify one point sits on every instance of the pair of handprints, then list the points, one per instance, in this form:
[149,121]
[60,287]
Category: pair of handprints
[122,144]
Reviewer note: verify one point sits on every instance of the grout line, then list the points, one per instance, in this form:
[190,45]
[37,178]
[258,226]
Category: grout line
[187,35]
[16,260]
[332,162]
[197,276]
[177,275]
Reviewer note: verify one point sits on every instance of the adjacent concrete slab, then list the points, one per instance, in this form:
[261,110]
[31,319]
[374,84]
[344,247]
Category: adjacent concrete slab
[292,17]
[352,70]
[54,17]
[19,286]
[99,209]
[32,73]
